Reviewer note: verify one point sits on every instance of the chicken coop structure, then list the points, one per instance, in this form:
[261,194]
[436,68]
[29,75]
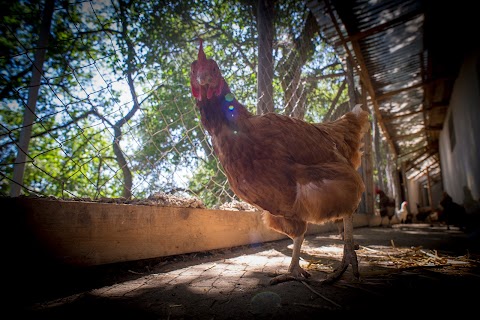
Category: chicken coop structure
[416,73]
[96,108]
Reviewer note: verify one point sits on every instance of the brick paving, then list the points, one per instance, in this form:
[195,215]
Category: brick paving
[234,283]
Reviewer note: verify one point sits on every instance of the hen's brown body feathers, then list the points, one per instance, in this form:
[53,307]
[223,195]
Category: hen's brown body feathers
[297,172]
[300,171]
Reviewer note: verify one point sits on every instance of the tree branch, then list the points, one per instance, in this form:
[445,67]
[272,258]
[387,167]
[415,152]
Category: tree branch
[63,126]
[322,77]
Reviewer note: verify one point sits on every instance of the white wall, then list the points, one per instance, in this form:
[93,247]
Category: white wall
[461,166]
[415,193]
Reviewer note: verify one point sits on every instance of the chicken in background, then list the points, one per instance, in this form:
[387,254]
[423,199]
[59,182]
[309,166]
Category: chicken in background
[296,172]
[472,209]
[452,213]
[472,206]
[402,214]
[386,206]
[424,214]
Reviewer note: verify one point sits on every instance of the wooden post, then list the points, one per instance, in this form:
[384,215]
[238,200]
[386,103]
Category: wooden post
[265,17]
[29,113]
[367,161]
[430,199]
[405,182]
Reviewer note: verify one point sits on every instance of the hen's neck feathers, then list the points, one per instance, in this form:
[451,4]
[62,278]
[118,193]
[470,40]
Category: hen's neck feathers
[222,110]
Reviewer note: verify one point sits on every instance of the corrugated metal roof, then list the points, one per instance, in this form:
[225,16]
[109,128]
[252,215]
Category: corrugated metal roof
[397,56]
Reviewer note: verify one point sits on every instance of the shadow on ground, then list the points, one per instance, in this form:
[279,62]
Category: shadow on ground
[405,270]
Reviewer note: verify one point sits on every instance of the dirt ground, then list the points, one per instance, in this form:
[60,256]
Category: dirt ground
[414,270]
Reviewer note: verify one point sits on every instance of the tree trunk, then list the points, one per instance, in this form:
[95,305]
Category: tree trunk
[352,97]
[293,88]
[265,18]
[122,162]
[333,105]
[29,114]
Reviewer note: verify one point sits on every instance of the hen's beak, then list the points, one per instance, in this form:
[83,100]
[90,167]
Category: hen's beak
[203,78]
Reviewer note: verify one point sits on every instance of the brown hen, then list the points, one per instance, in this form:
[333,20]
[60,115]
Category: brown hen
[297,172]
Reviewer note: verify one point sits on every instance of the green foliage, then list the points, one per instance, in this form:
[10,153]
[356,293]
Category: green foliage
[209,183]
[80,164]
[96,49]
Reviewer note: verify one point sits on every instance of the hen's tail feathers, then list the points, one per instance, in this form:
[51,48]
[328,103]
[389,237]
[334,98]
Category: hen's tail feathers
[362,116]
[348,132]
[363,126]
[357,109]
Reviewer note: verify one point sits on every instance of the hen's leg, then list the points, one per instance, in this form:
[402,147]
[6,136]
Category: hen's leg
[349,254]
[339,224]
[295,272]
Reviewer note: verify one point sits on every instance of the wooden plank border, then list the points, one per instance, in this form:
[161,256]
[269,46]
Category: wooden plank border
[93,233]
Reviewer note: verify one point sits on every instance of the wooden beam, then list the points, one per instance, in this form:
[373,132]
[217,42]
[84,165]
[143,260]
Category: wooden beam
[410,152]
[409,135]
[367,164]
[402,115]
[81,233]
[429,187]
[434,128]
[382,27]
[414,162]
[415,86]
[365,78]
[395,92]
[420,171]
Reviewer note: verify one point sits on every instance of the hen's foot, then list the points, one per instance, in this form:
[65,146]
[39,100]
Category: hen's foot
[349,258]
[296,274]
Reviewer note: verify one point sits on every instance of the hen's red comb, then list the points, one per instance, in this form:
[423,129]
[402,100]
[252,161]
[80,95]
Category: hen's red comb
[201,54]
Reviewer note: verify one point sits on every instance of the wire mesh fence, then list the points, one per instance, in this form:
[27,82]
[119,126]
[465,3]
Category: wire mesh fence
[114,116]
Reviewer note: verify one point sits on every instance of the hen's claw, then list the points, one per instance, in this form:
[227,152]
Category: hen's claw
[349,258]
[297,274]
